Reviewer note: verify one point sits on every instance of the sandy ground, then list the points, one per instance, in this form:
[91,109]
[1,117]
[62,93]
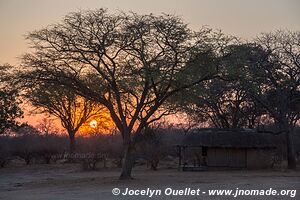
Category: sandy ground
[65,181]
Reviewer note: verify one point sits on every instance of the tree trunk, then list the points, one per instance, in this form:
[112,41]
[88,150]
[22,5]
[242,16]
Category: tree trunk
[127,162]
[291,156]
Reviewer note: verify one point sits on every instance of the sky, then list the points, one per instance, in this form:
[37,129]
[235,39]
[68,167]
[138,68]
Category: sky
[242,18]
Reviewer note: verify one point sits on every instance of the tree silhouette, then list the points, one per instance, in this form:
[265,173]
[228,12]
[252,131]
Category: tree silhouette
[129,63]
[72,110]
[269,72]
[9,102]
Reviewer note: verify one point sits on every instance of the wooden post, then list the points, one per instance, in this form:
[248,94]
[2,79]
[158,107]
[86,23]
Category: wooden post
[180,159]
[183,156]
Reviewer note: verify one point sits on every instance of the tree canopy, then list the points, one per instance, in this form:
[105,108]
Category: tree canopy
[9,103]
[129,63]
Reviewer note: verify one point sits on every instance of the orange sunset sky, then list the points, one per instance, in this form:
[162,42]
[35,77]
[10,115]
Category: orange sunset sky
[242,18]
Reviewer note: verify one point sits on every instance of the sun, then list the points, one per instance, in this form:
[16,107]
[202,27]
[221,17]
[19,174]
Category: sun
[99,123]
[93,124]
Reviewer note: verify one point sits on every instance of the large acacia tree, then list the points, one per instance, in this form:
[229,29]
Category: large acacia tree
[129,63]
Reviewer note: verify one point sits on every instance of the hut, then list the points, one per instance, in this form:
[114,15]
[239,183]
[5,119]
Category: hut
[213,148]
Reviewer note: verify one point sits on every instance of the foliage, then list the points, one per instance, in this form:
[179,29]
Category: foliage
[9,103]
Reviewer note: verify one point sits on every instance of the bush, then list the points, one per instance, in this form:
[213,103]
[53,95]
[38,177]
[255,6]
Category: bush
[38,147]
[98,148]
[5,153]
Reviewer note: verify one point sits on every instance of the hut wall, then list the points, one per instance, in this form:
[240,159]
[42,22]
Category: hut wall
[237,158]
[226,157]
[259,158]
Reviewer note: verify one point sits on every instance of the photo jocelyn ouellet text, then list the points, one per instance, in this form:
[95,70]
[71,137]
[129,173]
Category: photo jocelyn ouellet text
[198,192]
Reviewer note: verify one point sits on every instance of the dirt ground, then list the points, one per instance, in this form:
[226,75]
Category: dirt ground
[66,181]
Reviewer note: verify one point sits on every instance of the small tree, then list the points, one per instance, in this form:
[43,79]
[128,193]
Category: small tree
[46,126]
[73,111]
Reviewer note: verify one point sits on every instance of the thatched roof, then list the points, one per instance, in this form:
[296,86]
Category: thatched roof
[239,138]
